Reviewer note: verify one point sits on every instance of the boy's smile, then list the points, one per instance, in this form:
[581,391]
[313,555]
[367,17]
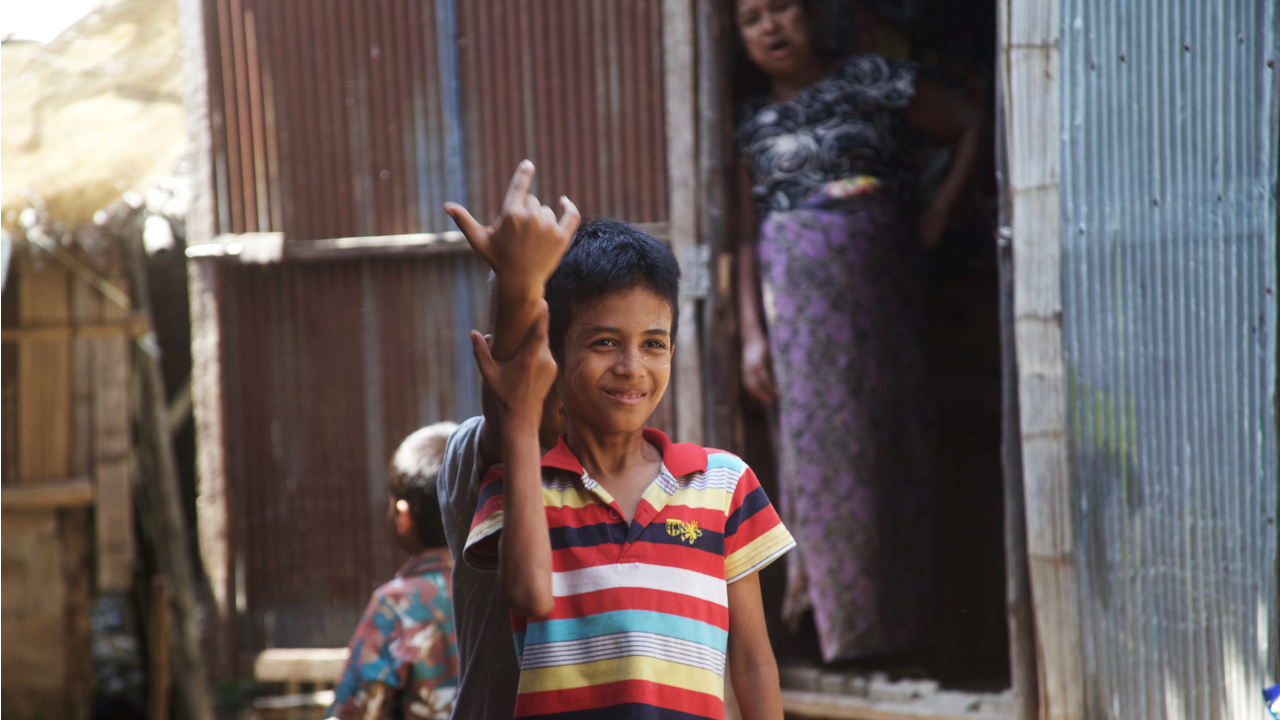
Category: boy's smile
[617,360]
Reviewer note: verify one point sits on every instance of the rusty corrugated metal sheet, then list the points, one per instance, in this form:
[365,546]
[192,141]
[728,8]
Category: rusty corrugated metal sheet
[321,390]
[1169,317]
[575,86]
[343,118]
[334,118]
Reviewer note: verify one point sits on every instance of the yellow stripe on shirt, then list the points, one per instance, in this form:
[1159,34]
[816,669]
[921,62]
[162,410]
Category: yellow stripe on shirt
[665,672]
[771,542]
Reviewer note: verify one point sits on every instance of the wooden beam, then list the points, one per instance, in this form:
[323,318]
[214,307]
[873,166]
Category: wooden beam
[1028,36]
[945,705]
[300,665]
[189,666]
[679,45]
[112,444]
[715,166]
[76,492]
[272,247]
[132,326]
[206,345]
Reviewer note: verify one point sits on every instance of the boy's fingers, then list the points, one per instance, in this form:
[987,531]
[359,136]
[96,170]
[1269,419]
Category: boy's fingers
[467,224]
[549,215]
[484,360]
[532,206]
[519,186]
[571,218]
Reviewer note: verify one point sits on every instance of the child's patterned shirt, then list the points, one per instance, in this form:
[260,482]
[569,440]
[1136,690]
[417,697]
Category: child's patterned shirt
[404,656]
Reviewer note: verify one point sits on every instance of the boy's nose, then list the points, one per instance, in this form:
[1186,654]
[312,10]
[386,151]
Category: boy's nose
[628,363]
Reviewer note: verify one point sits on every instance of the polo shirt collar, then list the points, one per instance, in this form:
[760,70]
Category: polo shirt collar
[680,459]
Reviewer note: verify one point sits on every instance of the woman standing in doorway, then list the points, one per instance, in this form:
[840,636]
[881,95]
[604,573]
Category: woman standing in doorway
[830,251]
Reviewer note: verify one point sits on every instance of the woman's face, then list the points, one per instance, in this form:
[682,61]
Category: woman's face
[777,35]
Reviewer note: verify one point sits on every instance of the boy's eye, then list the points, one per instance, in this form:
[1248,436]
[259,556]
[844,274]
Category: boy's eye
[656,344]
[604,342]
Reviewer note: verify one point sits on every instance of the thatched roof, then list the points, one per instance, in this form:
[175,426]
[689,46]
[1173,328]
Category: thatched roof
[93,114]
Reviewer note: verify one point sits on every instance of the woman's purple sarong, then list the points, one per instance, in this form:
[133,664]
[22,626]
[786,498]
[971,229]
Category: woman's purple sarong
[844,301]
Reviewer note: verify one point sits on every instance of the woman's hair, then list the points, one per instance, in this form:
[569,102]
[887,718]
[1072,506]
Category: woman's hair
[832,23]
[609,256]
[412,478]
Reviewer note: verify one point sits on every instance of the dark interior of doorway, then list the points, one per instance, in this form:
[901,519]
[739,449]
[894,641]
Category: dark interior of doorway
[954,41]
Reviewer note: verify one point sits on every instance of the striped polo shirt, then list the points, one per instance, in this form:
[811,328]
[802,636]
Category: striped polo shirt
[640,622]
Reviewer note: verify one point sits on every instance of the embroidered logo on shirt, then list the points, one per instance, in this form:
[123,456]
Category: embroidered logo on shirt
[684,529]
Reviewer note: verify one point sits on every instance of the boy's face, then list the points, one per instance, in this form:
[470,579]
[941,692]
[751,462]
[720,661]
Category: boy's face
[617,360]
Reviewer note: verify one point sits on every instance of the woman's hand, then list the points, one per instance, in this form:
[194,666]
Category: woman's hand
[757,375]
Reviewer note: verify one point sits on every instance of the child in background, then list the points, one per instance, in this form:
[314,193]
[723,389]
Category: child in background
[629,561]
[404,657]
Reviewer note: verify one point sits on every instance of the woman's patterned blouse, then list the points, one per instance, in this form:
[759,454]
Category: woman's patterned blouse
[850,123]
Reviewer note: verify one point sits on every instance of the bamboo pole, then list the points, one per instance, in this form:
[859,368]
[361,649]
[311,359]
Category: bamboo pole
[1028,33]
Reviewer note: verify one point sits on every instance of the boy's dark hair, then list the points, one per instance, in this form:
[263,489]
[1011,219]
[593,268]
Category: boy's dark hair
[608,256]
[412,478]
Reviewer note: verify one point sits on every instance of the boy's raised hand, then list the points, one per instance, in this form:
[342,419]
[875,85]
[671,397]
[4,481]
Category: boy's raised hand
[527,242]
[520,384]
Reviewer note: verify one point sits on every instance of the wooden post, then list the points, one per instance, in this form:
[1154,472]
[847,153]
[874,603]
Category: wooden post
[212,520]
[715,164]
[679,78]
[75,517]
[159,703]
[1028,33]
[112,444]
[190,668]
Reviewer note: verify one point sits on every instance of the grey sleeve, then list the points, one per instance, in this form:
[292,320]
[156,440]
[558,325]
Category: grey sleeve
[458,485]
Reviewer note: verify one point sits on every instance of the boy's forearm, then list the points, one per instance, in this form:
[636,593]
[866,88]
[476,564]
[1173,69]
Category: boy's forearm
[755,685]
[517,302]
[516,307]
[525,547]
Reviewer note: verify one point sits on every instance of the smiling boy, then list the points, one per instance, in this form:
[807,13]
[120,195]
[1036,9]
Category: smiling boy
[629,561]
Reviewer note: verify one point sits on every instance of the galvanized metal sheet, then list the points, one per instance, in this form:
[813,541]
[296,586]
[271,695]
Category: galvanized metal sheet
[1169,315]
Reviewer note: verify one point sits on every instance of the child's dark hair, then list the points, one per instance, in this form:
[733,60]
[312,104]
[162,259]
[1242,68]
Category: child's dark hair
[608,256]
[412,478]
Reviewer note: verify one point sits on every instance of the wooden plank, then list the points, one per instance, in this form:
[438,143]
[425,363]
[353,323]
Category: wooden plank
[679,78]
[112,444]
[945,705]
[1019,611]
[85,309]
[77,572]
[77,492]
[1031,107]
[44,372]
[131,326]
[304,665]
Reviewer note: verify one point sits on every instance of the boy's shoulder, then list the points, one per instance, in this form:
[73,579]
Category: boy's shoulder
[418,594]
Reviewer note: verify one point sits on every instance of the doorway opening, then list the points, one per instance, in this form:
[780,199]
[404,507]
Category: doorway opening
[953,42]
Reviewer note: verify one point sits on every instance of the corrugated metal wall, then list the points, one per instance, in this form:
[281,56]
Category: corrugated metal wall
[330,365]
[343,118]
[1169,315]
[575,86]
